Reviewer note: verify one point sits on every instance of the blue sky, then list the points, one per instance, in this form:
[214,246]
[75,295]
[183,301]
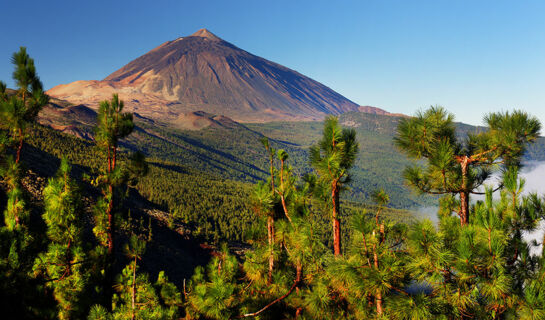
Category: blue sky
[472,57]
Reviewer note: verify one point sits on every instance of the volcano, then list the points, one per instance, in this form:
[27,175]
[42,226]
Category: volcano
[202,72]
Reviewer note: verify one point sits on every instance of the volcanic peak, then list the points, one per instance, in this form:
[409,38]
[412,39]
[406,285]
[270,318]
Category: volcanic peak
[204,72]
[205,33]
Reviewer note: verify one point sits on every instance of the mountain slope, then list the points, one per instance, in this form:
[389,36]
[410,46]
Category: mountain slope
[198,205]
[232,150]
[202,72]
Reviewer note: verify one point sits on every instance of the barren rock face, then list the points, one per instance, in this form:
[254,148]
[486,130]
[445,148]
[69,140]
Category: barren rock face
[204,72]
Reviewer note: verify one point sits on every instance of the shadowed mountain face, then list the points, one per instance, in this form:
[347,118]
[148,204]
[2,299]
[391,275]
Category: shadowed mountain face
[202,72]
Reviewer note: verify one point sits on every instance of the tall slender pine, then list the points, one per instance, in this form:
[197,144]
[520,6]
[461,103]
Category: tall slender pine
[112,125]
[332,158]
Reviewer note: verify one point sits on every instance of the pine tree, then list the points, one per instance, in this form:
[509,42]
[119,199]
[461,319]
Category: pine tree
[136,297]
[483,270]
[17,243]
[21,109]
[63,264]
[332,157]
[215,292]
[459,167]
[371,278]
[112,125]
[228,291]
[263,206]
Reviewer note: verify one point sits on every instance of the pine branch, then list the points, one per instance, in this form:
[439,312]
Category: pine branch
[254,314]
[296,282]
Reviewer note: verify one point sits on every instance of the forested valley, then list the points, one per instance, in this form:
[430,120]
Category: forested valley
[103,229]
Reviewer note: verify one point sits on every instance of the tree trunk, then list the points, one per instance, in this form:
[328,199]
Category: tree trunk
[20,147]
[109,212]
[114,158]
[464,208]
[464,194]
[270,229]
[336,221]
[378,294]
[378,299]
[284,206]
[282,198]
[337,236]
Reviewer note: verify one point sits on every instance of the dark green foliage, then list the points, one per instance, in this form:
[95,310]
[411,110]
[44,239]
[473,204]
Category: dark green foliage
[62,266]
[137,168]
[207,205]
[18,246]
[16,213]
[232,152]
[136,297]
[215,290]
[18,242]
[210,207]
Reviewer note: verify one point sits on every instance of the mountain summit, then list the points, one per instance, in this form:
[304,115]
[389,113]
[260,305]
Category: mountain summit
[202,72]
[205,33]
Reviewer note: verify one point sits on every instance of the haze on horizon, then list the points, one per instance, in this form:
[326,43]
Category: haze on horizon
[472,58]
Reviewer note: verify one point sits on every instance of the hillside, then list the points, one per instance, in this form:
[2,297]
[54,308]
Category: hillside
[198,207]
[202,72]
[232,150]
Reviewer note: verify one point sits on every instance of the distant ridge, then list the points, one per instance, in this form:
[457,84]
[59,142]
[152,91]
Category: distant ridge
[375,110]
[202,72]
